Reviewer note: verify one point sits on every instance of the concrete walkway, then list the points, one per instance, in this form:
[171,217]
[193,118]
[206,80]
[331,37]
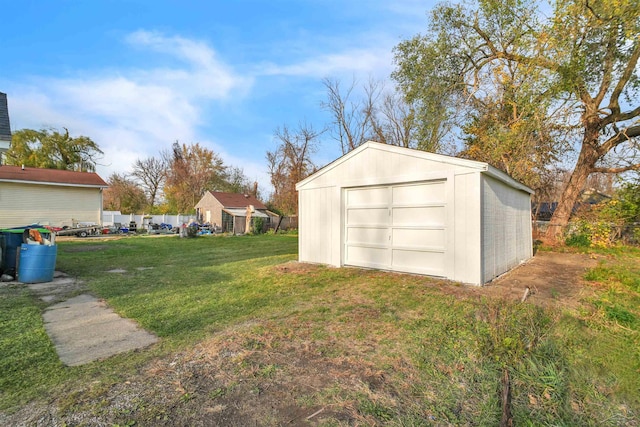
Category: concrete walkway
[82,328]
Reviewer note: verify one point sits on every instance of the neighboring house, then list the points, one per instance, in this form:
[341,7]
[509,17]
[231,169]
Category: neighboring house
[543,211]
[5,126]
[398,209]
[49,197]
[229,210]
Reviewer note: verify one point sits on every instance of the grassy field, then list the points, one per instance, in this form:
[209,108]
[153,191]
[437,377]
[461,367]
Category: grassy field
[248,337]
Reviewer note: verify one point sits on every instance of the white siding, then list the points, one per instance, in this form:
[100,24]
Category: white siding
[376,167]
[317,223]
[23,204]
[467,254]
[486,232]
[506,228]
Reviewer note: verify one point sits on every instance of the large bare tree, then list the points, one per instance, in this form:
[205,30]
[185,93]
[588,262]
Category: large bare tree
[352,116]
[370,112]
[151,174]
[290,163]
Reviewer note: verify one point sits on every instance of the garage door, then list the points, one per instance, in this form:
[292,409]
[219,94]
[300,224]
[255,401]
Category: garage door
[397,227]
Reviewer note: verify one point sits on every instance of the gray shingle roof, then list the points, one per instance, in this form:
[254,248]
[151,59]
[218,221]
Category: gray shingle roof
[5,126]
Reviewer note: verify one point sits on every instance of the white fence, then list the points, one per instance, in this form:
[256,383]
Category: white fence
[111,218]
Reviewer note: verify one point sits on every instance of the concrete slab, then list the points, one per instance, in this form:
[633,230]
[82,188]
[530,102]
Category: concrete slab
[84,329]
[59,289]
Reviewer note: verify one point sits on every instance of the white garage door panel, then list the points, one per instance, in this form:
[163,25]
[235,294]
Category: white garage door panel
[367,196]
[370,216]
[429,215]
[367,235]
[419,262]
[369,257]
[397,227]
[416,194]
[418,238]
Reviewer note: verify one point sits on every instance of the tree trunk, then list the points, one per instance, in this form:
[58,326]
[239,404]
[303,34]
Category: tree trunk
[586,162]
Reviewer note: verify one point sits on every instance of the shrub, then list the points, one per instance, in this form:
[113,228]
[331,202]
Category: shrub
[578,235]
[192,231]
[258,225]
[578,240]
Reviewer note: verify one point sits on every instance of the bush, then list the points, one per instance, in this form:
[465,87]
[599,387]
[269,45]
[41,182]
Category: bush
[258,225]
[602,225]
[192,231]
[578,240]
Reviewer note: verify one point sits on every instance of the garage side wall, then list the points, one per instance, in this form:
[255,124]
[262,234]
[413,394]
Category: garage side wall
[506,228]
[319,234]
[23,204]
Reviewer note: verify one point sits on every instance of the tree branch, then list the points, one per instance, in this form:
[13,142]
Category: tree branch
[616,170]
[501,54]
[614,105]
[624,135]
[609,59]
[620,117]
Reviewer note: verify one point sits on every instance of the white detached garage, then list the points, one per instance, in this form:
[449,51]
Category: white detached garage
[399,209]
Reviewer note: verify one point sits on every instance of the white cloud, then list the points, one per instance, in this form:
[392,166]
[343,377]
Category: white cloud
[373,61]
[136,112]
[207,77]
[132,113]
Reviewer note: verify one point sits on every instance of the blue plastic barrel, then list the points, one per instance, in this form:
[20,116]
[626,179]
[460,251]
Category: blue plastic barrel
[37,263]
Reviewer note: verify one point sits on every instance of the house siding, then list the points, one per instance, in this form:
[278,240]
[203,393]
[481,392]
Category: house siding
[211,204]
[22,204]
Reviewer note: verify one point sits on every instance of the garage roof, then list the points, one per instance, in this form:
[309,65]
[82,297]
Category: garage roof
[50,177]
[471,164]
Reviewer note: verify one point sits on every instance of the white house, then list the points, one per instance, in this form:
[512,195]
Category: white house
[49,197]
[398,209]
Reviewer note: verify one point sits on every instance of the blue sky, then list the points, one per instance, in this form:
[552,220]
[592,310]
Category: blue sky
[135,76]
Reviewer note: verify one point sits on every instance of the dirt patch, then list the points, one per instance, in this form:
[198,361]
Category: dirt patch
[245,376]
[554,280]
[295,267]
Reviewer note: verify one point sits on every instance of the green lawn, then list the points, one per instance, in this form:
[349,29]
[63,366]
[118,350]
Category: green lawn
[401,351]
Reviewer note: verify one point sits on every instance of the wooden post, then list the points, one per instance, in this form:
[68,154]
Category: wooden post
[247,227]
[507,420]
